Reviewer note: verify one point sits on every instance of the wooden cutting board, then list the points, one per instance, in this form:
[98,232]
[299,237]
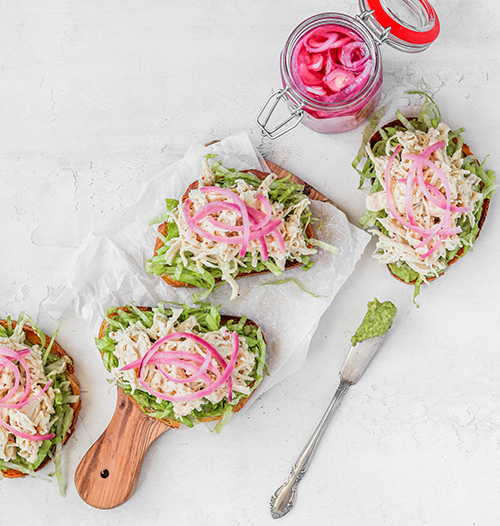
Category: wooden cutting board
[309,190]
[108,473]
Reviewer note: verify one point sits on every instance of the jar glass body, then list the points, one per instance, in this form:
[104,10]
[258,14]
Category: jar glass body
[332,117]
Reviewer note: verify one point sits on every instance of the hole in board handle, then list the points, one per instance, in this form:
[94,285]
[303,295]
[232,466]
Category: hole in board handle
[104,473]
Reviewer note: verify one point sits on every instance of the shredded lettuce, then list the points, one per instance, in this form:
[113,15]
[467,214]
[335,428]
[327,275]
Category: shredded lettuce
[281,281]
[209,319]
[170,204]
[323,245]
[368,132]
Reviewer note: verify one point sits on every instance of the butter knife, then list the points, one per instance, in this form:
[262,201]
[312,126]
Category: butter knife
[354,366]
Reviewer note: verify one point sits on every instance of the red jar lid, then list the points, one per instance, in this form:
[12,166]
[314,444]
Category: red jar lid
[412,22]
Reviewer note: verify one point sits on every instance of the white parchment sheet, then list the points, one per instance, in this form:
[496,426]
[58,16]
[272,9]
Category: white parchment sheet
[108,268]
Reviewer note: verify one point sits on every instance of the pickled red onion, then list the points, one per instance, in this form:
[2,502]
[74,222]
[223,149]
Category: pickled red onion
[253,225]
[20,404]
[436,197]
[432,148]
[446,216]
[338,79]
[243,210]
[443,229]
[341,42]
[6,357]
[218,206]
[169,357]
[208,390]
[424,185]
[187,335]
[325,44]
[159,355]
[433,249]
[26,436]
[257,223]
[222,378]
[316,62]
[278,237]
[328,60]
[353,87]
[232,240]
[5,362]
[348,51]
[213,207]
[163,356]
[254,222]
[5,351]
[388,192]
[200,372]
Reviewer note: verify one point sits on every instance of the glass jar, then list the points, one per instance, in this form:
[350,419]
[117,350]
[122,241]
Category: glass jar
[406,25]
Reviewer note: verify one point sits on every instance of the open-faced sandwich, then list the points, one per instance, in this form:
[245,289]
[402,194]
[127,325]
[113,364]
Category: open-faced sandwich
[183,364]
[231,224]
[39,399]
[429,194]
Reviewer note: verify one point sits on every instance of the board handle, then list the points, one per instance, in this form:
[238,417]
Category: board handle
[108,473]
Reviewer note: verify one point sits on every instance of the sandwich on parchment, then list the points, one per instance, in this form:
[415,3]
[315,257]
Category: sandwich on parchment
[429,194]
[39,399]
[183,365]
[231,224]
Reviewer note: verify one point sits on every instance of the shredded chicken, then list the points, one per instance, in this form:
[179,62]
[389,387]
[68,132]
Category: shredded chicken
[135,341]
[400,243]
[207,253]
[36,417]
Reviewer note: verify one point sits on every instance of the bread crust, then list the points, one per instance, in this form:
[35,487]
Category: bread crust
[33,339]
[486,204]
[163,229]
[168,421]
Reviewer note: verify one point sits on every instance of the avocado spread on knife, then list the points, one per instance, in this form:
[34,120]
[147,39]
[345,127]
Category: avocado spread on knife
[377,321]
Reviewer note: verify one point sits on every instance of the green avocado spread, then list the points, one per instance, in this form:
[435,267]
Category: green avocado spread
[377,321]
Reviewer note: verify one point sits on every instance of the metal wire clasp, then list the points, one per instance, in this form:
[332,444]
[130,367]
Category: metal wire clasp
[379,37]
[295,113]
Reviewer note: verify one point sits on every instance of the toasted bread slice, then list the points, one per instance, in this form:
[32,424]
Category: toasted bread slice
[163,229]
[33,339]
[168,421]
[486,203]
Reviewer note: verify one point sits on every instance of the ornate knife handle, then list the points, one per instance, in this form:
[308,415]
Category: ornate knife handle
[284,498]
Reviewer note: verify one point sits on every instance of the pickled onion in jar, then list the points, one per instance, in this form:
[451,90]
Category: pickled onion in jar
[331,64]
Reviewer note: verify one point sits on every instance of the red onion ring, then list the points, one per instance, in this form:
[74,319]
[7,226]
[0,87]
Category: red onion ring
[200,371]
[323,50]
[243,210]
[348,51]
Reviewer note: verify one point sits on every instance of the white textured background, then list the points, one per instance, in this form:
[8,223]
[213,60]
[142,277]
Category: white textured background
[97,95]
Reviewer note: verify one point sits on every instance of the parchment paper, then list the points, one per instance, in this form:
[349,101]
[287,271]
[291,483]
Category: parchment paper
[108,267]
